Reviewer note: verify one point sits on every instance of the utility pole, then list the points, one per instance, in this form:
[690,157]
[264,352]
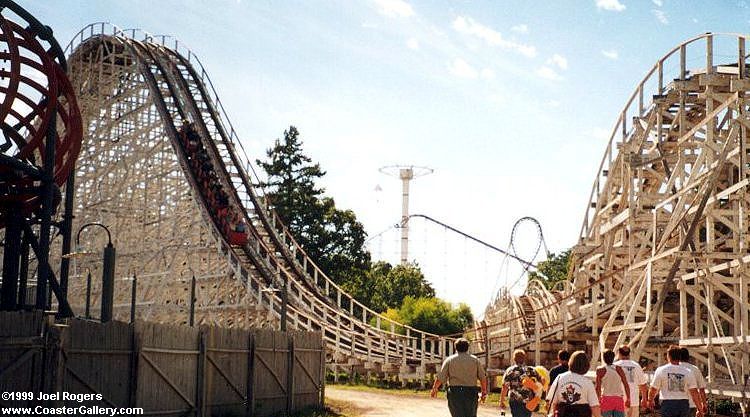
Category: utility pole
[406,173]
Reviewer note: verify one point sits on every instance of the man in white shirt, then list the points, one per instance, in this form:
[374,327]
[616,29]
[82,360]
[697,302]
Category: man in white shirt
[674,384]
[637,380]
[699,380]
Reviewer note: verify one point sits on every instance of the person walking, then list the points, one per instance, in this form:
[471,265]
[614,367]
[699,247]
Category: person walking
[674,384]
[521,386]
[700,382]
[562,365]
[612,387]
[460,372]
[573,394]
[637,380]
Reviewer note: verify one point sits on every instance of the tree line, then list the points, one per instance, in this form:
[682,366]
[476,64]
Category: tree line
[335,240]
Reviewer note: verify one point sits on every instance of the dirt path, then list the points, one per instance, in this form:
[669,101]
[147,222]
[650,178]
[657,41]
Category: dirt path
[376,404]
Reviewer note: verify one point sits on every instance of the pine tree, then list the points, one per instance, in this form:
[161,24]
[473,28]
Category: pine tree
[333,238]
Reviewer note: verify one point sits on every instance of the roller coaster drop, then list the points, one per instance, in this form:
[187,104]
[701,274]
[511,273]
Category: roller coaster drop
[163,167]
[661,256]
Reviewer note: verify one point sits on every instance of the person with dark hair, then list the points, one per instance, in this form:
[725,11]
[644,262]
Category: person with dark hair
[460,372]
[637,380]
[700,381]
[519,381]
[612,387]
[573,394]
[562,365]
[674,384]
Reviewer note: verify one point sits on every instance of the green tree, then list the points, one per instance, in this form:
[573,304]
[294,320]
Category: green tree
[431,315]
[553,270]
[333,238]
[385,286]
[398,283]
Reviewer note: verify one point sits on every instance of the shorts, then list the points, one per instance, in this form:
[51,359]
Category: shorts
[613,403]
[613,413]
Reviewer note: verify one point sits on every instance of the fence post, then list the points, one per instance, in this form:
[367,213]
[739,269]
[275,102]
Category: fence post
[201,373]
[135,351]
[250,404]
[53,360]
[290,376]
[133,297]
[323,372]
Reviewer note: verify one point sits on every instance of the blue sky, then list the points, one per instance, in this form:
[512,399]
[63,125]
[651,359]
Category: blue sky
[510,102]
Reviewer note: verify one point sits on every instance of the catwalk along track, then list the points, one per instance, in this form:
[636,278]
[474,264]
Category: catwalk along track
[663,251]
[162,166]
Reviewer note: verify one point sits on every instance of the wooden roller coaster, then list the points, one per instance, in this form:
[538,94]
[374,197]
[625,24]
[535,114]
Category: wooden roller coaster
[663,248]
[661,257]
[163,168]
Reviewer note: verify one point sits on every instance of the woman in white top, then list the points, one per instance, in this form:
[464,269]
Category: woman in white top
[612,387]
[572,394]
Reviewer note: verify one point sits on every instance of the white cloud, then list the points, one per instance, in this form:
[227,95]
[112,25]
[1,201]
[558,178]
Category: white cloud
[694,20]
[522,28]
[412,43]
[462,69]
[558,60]
[660,16]
[611,54]
[469,26]
[611,5]
[395,8]
[552,103]
[548,73]
[658,3]
[488,74]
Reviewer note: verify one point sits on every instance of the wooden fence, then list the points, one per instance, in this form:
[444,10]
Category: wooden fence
[166,370]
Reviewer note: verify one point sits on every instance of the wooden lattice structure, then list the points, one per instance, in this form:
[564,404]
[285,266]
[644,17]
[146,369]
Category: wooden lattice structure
[135,174]
[661,256]
[664,245]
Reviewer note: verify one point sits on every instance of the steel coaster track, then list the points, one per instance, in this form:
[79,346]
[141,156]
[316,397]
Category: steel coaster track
[182,93]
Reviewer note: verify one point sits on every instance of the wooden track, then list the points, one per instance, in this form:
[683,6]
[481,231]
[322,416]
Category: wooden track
[661,256]
[663,248]
[135,92]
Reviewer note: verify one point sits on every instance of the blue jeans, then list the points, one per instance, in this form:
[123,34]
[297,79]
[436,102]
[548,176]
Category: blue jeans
[675,408]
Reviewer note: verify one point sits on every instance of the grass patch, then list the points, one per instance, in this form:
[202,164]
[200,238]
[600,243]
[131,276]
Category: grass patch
[333,408]
[493,398]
